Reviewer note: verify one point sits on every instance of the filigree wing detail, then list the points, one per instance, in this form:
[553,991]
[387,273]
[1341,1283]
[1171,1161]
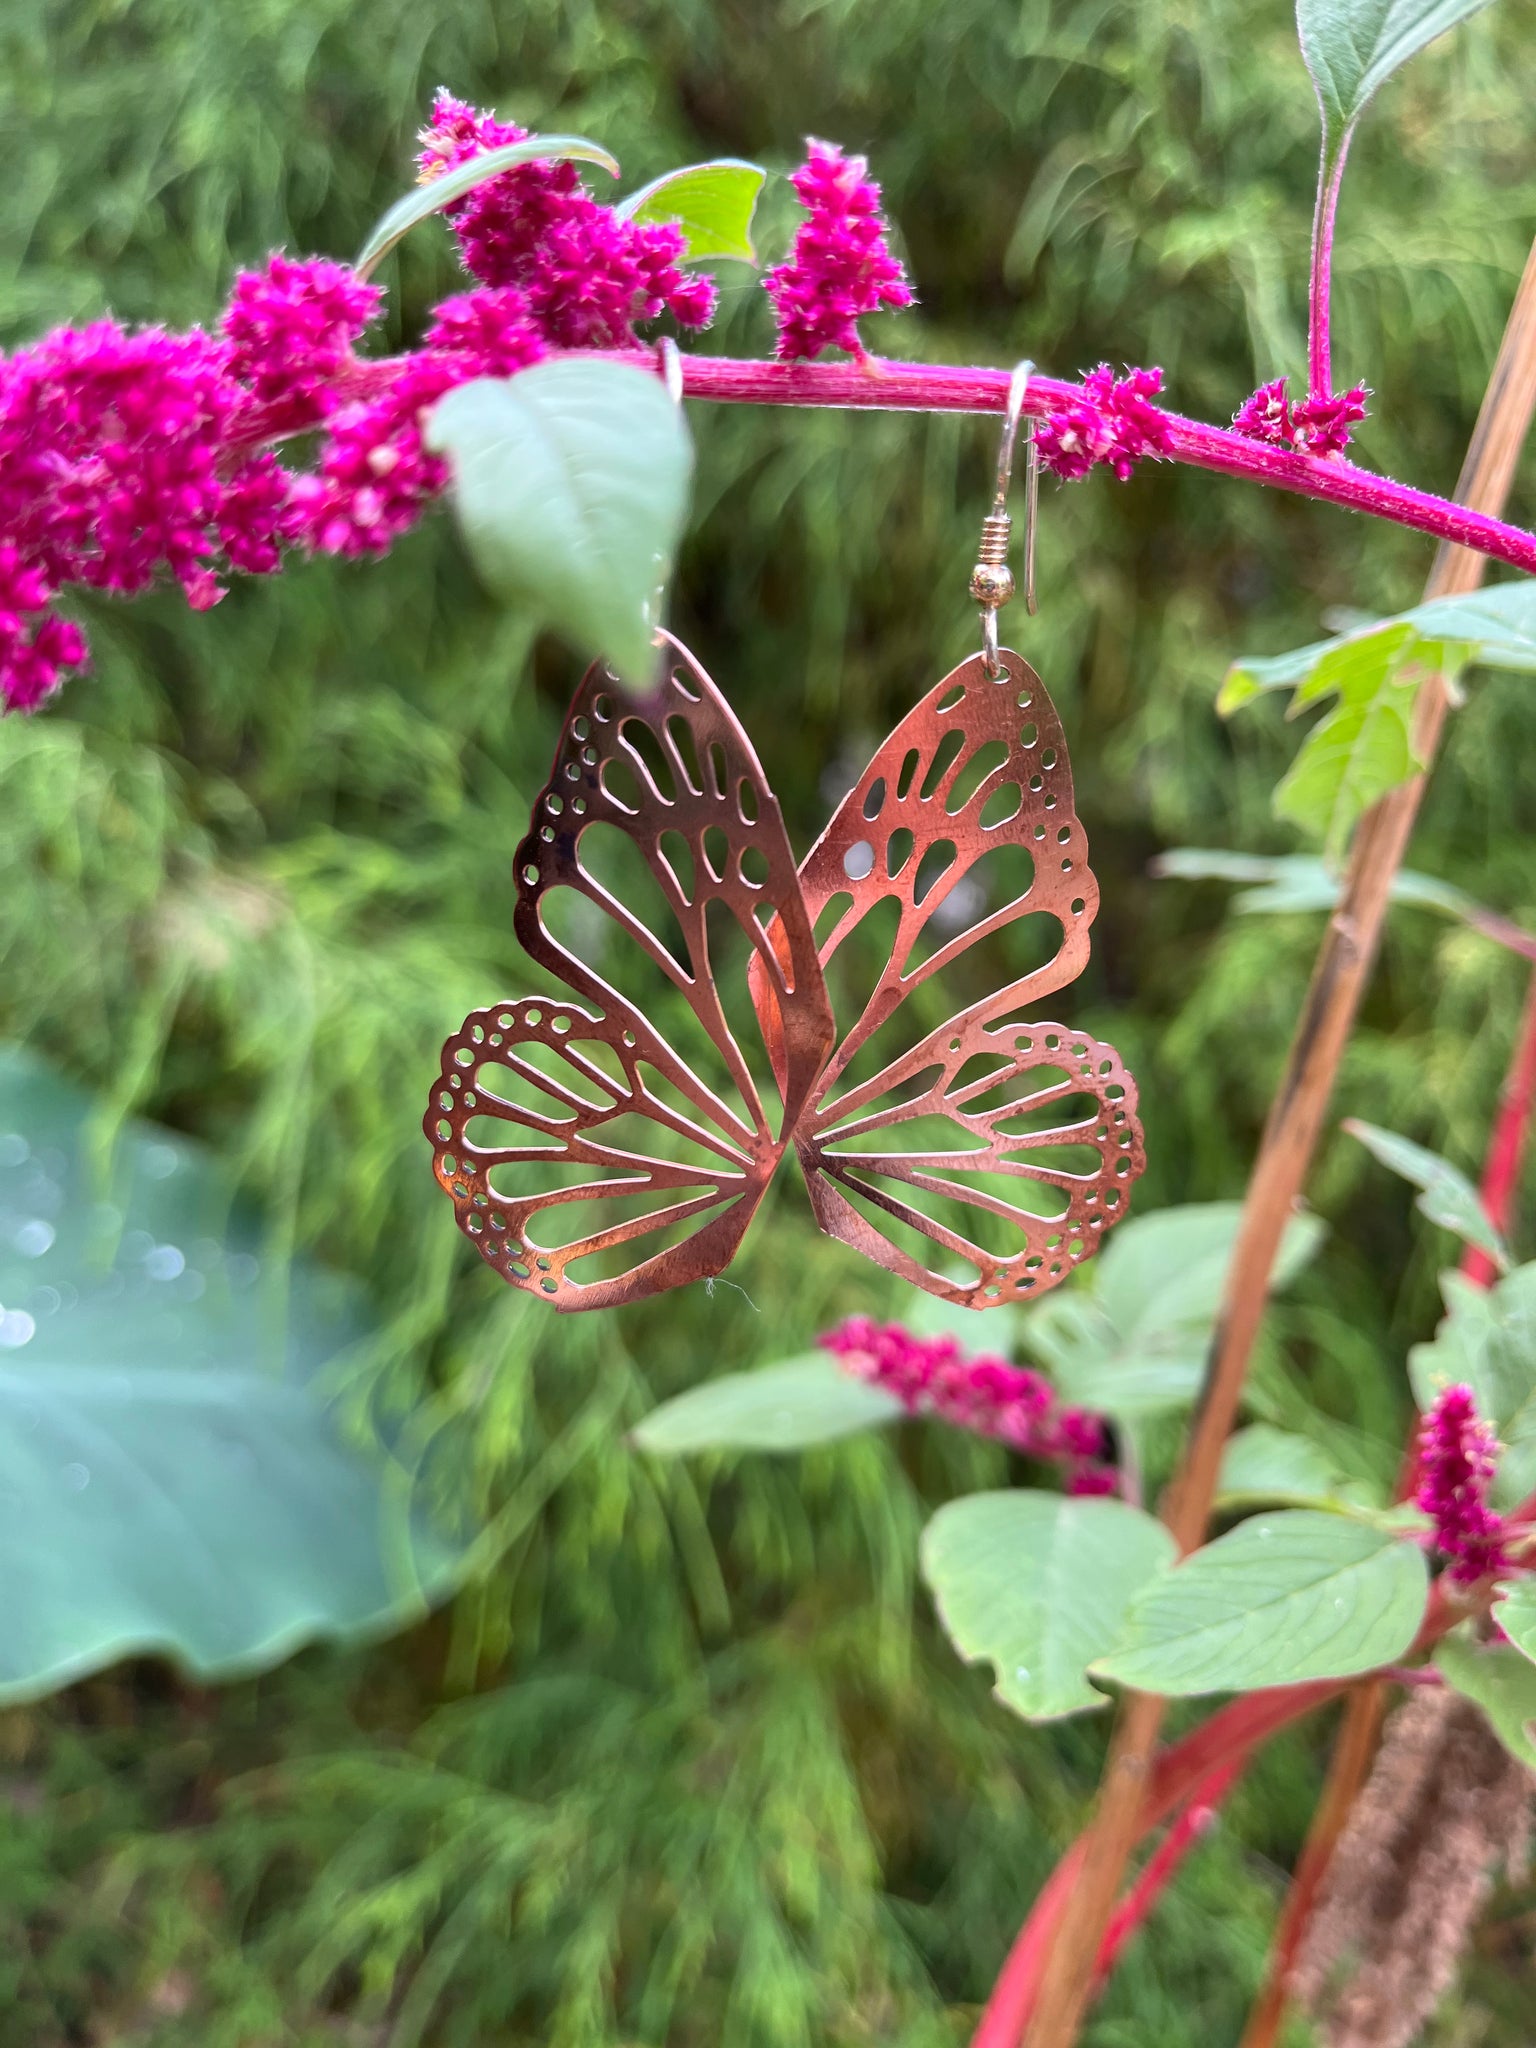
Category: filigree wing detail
[569,1134]
[997,1146]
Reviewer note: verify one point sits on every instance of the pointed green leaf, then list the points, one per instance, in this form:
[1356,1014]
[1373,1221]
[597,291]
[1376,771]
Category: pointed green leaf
[441,191]
[1499,1680]
[712,203]
[1488,1342]
[571,484]
[1282,1598]
[1515,1611]
[172,1478]
[1492,628]
[807,1400]
[1353,46]
[1361,748]
[1448,1197]
[1037,1585]
[1262,1463]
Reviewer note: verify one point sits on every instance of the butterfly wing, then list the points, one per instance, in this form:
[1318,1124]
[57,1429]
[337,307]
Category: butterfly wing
[590,1159]
[986,1141]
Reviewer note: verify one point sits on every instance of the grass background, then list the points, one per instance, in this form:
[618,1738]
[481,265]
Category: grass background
[688,1763]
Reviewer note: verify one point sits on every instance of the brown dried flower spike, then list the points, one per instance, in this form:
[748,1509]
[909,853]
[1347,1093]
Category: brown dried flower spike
[593,1160]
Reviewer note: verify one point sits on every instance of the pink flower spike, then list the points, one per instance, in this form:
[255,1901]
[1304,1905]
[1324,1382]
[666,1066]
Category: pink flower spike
[1266,416]
[1459,1453]
[587,275]
[841,266]
[293,325]
[987,1395]
[1114,423]
[1320,426]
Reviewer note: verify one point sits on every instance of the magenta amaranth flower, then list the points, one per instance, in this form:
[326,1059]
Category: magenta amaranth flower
[36,646]
[1312,426]
[376,473]
[1320,426]
[587,275]
[1458,1455]
[1266,416]
[988,1395]
[1114,422]
[292,326]
[840,267]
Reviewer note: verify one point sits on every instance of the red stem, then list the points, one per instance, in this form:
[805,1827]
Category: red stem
[1506,1146]
[1226,1740]
[1191,1827]
[874,384]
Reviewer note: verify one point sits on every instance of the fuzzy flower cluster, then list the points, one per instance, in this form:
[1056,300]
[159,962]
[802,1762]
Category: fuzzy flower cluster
[1458,1455]
[1114,422]
[1312,426]
[841,266]
[131,456]
[932,1376]
[587,275]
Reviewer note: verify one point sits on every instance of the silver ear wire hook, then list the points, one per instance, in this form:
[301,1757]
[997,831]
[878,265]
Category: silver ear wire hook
[992,580]
[671,368]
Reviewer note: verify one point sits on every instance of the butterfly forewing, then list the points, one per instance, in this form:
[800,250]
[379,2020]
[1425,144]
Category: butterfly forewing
[980,1154]
[590,1157]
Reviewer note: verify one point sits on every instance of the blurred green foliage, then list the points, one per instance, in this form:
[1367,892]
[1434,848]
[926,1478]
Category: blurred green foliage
[690,1762]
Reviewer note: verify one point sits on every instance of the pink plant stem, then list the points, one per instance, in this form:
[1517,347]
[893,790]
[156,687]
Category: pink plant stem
[1319,368]
[877,385]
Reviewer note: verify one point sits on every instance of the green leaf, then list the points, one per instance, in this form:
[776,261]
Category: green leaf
[1447,1198]
[1499,1680]
[1363,747]
[571,484]
[1134,1340]
[172,1478]
[1488,1342]
[1492,628]
[1283,1598]
[1515,1611]
[1262,1463]
[425,200]
[808,1400]
[1300,881]
[1353,46]
[1038,1586]
[712,203]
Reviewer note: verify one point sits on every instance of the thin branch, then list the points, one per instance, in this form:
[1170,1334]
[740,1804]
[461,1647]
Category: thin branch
[1319,368]
[878,385]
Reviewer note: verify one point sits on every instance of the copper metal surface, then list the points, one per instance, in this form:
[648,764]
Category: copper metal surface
[557,1072]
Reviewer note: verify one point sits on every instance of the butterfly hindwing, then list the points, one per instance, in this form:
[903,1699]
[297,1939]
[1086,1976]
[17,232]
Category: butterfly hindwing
[579,1134]
[992,1145]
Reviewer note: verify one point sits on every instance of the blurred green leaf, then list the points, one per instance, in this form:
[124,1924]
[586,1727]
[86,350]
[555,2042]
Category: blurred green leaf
[1283,1598]
[1262,1463]
[443,190]
[571,484]
[1353,46]
[1502,1682]
[1515,1612]
[1488,1343]
[1447,1197]
[808,1400]
[1301,881]
[1361,748]
[1133,1339]
[1037,1585]
[712,203]
[172,1478]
